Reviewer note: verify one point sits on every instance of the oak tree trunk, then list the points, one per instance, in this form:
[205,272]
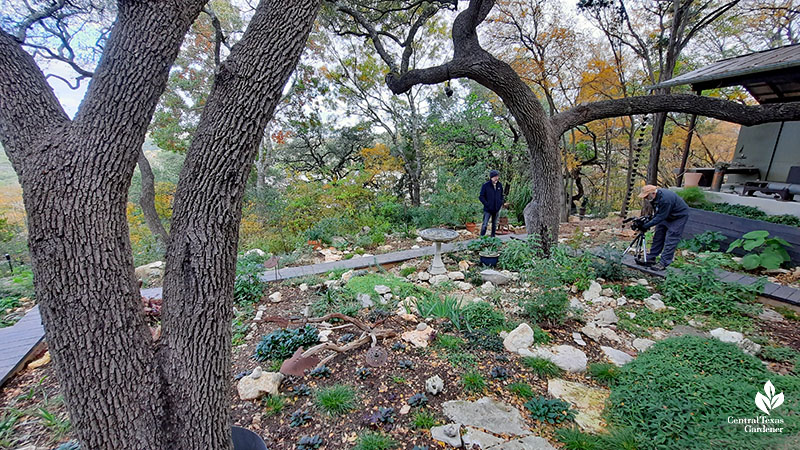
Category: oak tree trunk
[147,201]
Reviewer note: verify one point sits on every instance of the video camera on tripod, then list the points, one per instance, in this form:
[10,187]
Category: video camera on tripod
[638,222]
[638,246]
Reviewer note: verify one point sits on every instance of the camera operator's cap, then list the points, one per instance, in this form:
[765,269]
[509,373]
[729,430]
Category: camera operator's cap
[647,189]
[493,173]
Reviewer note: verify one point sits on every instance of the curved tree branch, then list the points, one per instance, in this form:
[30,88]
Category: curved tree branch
[705,106]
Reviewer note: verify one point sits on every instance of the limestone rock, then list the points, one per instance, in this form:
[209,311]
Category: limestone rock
[434,385]
[520,337]
[303,287]
[642,344]
[495,277]
[593,291]
[487,413]
[734,337]
[577,304]
[276,297]
[654,303]
[450,434]
[463,265]
[617,357]
[423,276]
[605,318]
[43,361]
[382,290]
[595,333]
[566,357]
[419,338]
[477,438]
[151,274]
[455,276]
[250,388]
[578,339]
[365,300]
[255,251]
[770,315]
[347,275]
[587,400]
[487,288]
[463,286]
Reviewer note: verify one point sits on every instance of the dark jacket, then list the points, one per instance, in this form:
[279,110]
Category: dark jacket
[667,206]
[491,197]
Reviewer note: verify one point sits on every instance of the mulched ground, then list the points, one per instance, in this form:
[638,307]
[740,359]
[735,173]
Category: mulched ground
[386,386]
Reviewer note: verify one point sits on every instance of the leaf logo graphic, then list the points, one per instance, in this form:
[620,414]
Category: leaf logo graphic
[768,402]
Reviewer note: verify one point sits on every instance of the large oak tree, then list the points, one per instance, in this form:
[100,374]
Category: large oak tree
[122,391]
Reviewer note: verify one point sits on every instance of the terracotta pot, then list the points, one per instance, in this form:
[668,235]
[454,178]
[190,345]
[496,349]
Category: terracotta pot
[691,179]
[502,222]
[315,244]
[472,227]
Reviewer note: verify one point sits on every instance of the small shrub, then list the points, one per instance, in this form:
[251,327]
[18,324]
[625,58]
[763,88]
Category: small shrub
[447,307]
[473,381]
[405,364]
[482,315]
[550,410]
[549,307]
[398,379]
[603,372]
[418,400]
[299,418]
[309,443]
[336,400]
[485,244]
[693,196]
[374,441]
[273,404]
[248,289]
[423,420]
[281,344]
[521,390]
[540,336]
[302,390]
[543,368]
[518,255]
[483,339]
[637,292]
[609,265]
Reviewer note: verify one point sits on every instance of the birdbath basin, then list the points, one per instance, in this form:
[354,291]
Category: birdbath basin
[437,236]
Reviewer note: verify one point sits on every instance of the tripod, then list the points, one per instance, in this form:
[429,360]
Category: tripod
[638,249]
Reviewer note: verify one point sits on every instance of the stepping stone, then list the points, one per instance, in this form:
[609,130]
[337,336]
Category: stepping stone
[589,402]
[487,413]
[593,292]
[475,437]
[527,443]
[642,344]
[566,357]
[450,434]
[494,277]
[683,330]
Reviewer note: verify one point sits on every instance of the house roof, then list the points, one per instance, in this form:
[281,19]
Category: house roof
[771,76]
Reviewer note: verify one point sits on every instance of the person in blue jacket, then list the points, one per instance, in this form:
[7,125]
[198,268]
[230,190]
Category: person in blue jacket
[670,214]
[492,199]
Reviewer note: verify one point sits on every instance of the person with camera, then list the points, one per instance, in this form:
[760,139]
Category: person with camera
[670,214]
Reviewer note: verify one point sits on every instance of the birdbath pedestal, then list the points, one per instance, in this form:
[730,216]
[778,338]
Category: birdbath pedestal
[437,236]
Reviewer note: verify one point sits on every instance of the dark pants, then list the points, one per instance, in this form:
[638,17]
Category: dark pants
[665,240]
[486,216]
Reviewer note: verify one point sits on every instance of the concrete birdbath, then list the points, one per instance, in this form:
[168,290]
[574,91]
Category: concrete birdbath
[437,236]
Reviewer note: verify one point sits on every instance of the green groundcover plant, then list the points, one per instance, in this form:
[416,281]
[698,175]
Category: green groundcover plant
[683,392]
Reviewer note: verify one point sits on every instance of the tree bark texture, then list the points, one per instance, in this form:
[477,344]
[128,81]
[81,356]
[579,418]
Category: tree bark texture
[75,177]
[147,201]
[201,256]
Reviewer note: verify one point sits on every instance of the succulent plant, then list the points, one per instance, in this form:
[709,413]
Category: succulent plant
[347,337]
[299,418]
[399,346]
[418,400]
[405,364]
[420,447]
[71,445]
[309,442]
[302,390]
[383,416]
[321,372]
[498,373]
[378,314]
[363,372]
